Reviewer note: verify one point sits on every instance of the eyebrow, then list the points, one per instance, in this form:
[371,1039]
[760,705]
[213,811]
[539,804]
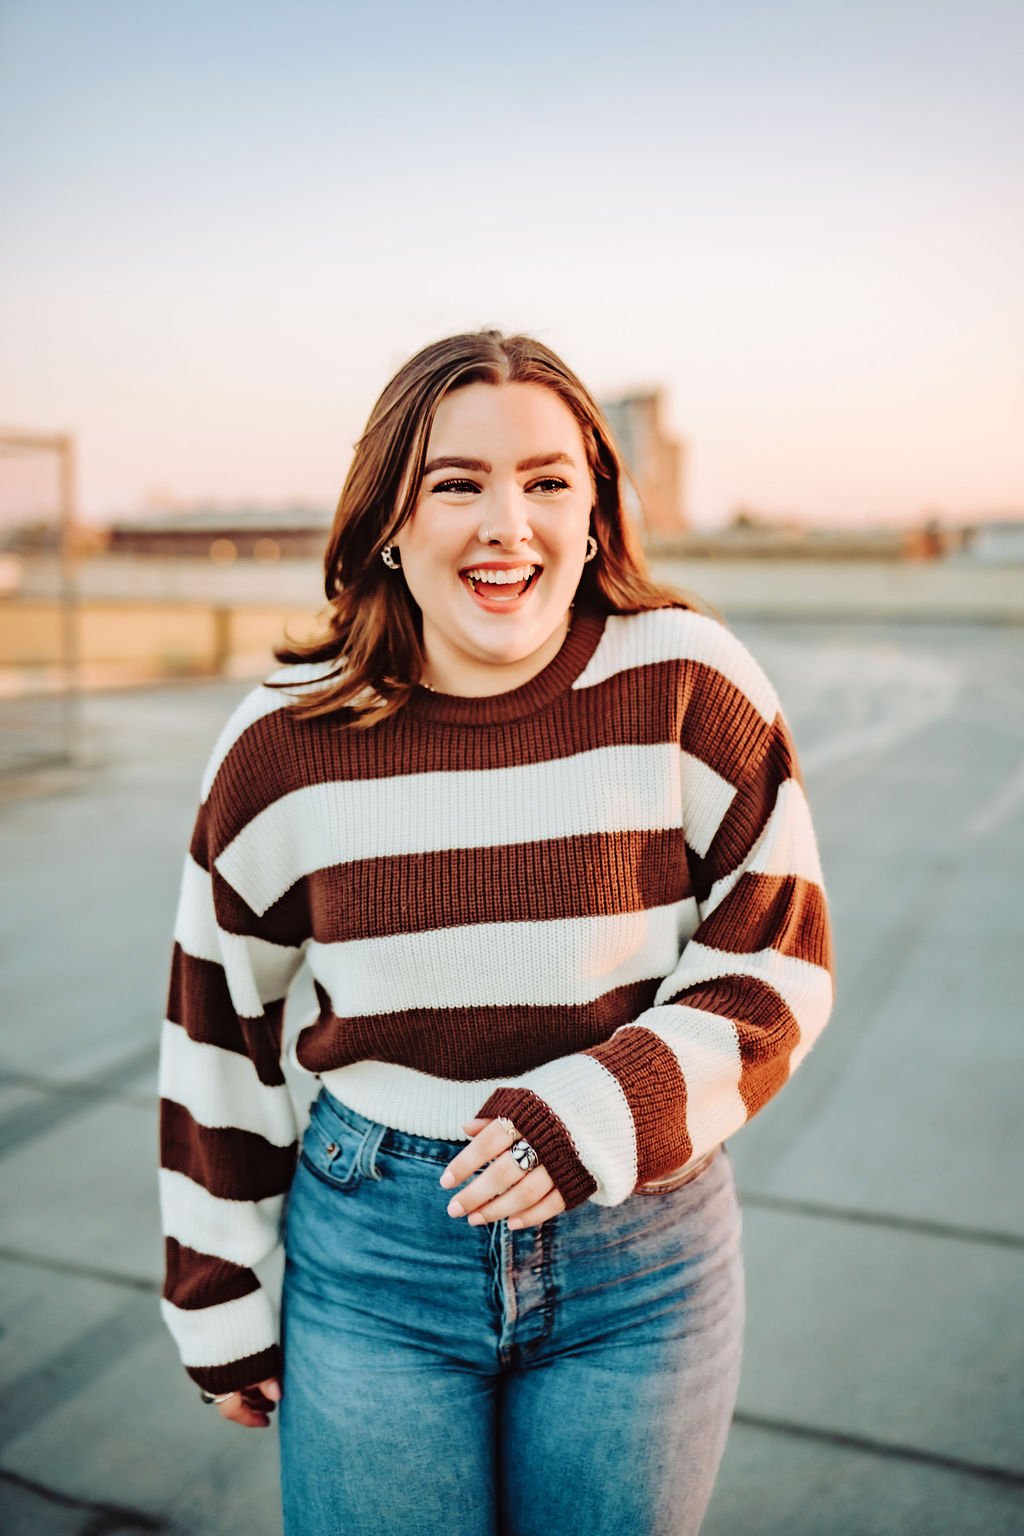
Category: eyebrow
[537,461]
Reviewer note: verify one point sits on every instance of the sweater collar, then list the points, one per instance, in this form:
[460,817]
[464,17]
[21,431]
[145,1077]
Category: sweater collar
[552,680]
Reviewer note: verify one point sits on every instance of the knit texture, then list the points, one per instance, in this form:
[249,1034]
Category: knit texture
[593,903]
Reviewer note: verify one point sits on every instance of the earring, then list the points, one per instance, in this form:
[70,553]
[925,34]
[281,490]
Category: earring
[591,548]
[388,557]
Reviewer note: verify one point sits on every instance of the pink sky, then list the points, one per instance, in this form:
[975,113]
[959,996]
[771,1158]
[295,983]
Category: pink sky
[223,227]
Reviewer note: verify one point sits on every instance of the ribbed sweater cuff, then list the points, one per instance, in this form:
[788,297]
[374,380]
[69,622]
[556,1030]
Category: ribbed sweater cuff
[549,1138]
[238,1373]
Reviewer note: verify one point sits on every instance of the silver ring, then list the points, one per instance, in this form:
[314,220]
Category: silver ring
[507,1126]
[524,1154]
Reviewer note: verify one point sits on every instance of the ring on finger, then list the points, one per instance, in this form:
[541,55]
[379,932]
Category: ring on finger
[524,1154]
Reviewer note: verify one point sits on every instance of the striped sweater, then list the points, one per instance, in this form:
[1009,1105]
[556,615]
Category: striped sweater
[593,903]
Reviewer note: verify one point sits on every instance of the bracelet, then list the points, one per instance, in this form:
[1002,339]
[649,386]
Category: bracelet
[208,1397]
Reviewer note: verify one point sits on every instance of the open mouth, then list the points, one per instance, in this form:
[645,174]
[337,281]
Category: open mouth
[500,594]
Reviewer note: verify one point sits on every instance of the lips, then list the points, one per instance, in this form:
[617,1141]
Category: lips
[493,596]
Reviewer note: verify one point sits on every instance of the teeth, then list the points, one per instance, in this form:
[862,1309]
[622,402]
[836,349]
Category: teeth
[502,578]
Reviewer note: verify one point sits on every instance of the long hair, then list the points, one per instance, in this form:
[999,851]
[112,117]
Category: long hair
[373,625]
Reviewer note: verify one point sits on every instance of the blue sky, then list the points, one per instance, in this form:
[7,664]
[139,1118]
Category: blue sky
[223,226]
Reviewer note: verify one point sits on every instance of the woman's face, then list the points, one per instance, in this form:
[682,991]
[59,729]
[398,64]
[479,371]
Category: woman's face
[523,502]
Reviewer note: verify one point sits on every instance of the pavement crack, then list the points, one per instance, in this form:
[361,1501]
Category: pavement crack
[81,1271]
[893,1450]
[918,1224]
[76,1367]
[66,1100]
[106,1517]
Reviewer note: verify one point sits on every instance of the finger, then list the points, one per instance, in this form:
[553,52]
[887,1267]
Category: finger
[495,1180]
[237,1410]
[502,1189]
[248,1418]
[477,1124]
[486,1145]
[251,1405]
[264,1395]
[520,1197]
[551,1205]
[241,1411]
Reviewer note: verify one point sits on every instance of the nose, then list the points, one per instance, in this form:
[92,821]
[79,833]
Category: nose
[506,519]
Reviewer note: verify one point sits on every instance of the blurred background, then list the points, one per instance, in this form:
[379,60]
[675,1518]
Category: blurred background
[781,242]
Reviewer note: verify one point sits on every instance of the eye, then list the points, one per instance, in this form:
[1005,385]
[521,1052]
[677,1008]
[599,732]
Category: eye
[446,485]
[459,486]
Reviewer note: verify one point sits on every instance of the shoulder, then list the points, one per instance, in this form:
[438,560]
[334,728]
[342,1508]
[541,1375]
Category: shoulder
[256,730]
[714,668]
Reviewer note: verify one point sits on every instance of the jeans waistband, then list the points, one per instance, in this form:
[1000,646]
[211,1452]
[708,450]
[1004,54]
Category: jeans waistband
[428,1147]
[440,1151]
[679,1176]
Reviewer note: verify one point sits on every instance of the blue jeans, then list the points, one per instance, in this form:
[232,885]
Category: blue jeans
[446,1380]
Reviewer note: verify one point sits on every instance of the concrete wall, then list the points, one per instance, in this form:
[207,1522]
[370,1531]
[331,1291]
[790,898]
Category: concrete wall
[935,590]
[138,621]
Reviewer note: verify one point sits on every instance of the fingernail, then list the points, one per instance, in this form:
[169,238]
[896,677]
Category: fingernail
[474,1219]
[447,1179]
[455,1209]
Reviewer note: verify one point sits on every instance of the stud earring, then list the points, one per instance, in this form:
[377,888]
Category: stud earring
[591,548]
[388,557]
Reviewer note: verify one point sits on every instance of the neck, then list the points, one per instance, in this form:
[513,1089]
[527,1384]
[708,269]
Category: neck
[505,684]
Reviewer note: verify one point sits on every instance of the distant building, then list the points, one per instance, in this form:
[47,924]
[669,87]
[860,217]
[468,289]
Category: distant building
[996,541]
[257,533]
[751,538]
[655,460]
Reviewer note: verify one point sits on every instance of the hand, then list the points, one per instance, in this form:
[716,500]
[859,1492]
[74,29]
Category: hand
[250,1406]
[503,1189]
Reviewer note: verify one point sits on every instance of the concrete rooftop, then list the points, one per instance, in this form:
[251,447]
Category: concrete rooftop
[883,1223]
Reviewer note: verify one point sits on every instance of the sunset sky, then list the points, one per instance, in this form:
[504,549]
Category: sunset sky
[223,226]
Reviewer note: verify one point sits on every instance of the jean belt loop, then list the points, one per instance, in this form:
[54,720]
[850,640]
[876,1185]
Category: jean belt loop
[366,1159]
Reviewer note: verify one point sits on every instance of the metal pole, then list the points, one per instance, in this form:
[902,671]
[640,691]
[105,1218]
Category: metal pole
[69,597]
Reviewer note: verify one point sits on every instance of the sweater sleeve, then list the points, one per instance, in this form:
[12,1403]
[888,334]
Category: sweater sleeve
[228,1134]
[754,983]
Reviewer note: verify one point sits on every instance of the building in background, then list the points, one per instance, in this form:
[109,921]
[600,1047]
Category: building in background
[655,460]
[224,534]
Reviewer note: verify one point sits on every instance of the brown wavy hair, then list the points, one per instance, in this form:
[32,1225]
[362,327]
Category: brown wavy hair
[374,627]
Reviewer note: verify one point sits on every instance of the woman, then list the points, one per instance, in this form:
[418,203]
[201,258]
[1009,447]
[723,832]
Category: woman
[537,826]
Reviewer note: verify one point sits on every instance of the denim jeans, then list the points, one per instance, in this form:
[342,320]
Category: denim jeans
[440,1379]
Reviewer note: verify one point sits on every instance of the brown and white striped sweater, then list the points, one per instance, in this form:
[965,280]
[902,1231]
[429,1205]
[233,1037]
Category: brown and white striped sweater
[593,903]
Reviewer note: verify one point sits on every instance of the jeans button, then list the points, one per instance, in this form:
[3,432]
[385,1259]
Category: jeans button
[332,1147]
